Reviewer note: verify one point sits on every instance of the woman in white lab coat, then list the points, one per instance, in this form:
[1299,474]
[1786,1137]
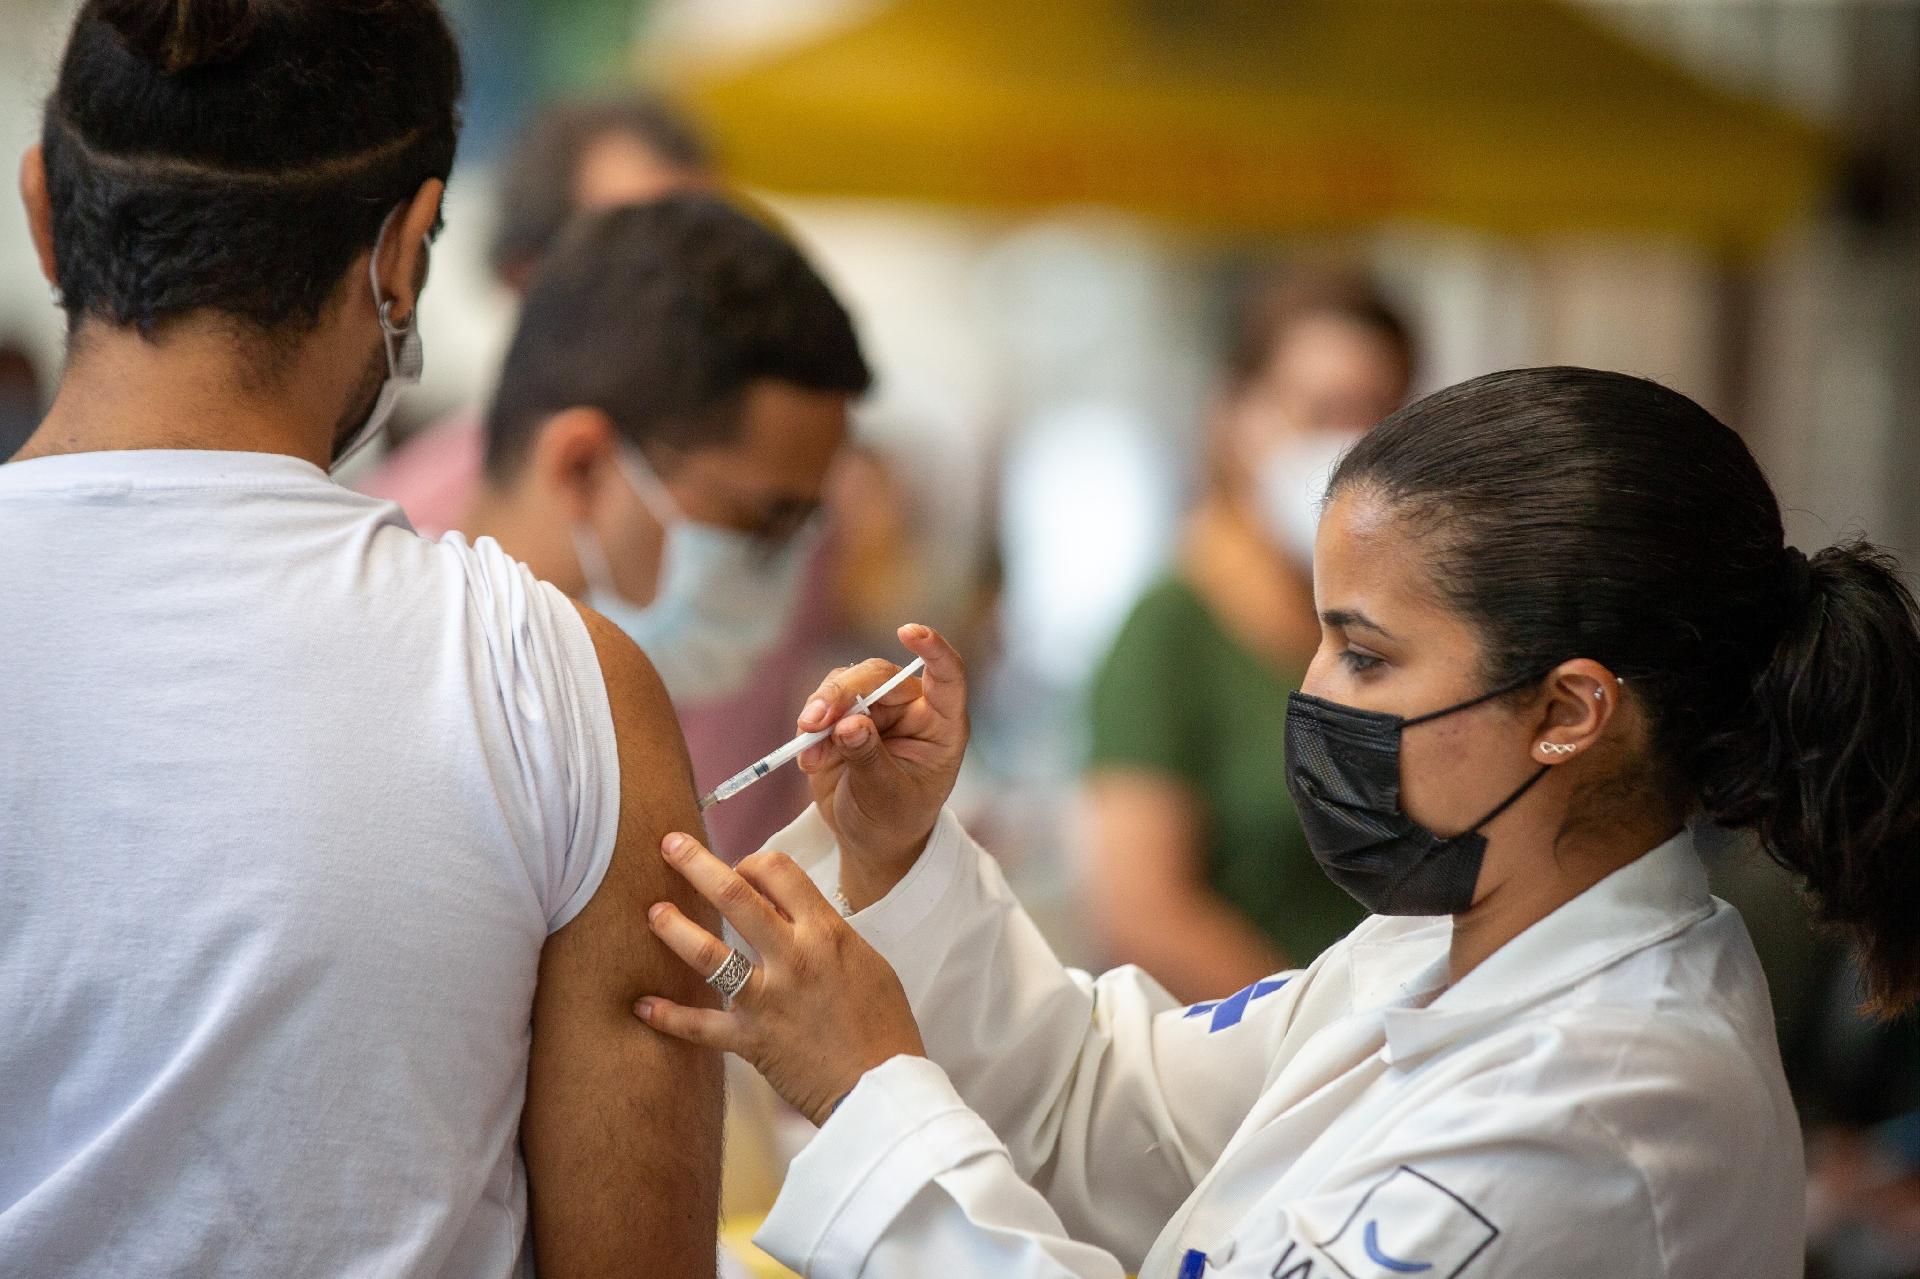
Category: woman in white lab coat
[1560,622]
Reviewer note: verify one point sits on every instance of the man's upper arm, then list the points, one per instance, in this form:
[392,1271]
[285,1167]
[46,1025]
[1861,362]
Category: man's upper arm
[622,1125]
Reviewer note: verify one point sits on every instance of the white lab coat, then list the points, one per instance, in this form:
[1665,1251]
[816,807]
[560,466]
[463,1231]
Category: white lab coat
[1601,1097]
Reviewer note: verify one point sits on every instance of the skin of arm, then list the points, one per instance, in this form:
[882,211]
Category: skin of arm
[622,1128]
[1148,892]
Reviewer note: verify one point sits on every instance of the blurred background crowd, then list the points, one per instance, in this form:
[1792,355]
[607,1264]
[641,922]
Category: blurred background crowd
[1130,274]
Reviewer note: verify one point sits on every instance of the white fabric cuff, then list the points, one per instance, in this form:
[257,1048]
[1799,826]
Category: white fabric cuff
[901,1126]
[894,918]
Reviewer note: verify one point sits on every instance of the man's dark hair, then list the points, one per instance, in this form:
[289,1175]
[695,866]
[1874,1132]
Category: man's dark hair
[237,155]
[661,315]
[541,168]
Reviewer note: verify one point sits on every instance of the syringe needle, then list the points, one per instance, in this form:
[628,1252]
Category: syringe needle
[791,751]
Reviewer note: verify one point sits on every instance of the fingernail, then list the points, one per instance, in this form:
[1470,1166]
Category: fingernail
[919,631]
[644,1010]
[674,845]
[655,911]
[856,734]
[815,712]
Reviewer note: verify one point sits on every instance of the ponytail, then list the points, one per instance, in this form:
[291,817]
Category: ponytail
[1823,764]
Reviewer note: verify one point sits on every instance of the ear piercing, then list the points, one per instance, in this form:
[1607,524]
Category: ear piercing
[1556,748]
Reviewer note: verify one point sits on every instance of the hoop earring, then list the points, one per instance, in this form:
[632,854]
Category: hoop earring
[1556,748]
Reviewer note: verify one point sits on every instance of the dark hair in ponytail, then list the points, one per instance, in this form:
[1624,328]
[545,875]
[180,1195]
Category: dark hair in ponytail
[1577,513]
[1824,760]
[237,155]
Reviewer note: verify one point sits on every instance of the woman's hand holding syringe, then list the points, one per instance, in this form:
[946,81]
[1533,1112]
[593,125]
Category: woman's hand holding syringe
[881,777]
[785,755]
[881,750]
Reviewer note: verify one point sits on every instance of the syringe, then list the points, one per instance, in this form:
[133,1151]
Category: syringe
[791,751]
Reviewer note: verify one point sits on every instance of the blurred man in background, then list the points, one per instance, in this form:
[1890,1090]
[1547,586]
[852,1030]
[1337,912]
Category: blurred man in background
[1199,871]
[673,398]
[575,156]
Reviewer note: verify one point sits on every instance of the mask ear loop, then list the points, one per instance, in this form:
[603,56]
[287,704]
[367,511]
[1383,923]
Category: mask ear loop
[653,495]
[1508,802]
[653,491]
[398,342]
[1525,786]
[593,561]
[1439,844]
[383,307]
[1472,702]
[403,355]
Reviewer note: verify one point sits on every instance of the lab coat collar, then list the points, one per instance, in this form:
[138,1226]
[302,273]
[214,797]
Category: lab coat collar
[1650,899]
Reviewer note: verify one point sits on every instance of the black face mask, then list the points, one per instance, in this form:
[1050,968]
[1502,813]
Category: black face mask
[1343,771]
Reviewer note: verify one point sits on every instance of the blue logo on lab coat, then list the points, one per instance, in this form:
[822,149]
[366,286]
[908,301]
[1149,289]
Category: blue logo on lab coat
[1370,1238]
[1409,1224]
[1228,1012]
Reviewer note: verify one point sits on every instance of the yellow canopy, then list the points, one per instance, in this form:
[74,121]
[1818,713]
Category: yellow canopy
[1514,116]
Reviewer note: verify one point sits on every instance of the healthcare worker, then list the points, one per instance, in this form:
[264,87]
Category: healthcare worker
[1559,620]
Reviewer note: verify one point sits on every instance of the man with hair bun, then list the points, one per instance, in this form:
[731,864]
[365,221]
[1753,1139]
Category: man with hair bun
[323,847]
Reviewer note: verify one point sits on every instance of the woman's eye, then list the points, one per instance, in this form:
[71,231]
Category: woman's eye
[1357,661]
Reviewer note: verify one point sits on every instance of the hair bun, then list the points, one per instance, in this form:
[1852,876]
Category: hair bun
[179,35]
[1798,577]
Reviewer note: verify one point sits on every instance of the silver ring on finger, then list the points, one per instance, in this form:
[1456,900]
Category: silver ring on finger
[730,978]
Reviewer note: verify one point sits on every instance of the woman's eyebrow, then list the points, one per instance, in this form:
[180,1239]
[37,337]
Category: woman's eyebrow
[1354,619]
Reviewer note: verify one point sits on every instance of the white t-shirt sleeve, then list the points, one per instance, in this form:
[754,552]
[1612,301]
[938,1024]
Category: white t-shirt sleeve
[553,703]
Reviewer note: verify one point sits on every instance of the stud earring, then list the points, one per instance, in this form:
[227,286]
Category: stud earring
[56,295]
[1556,748]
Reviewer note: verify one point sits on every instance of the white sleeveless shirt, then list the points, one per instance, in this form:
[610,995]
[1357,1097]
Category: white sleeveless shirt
[290,799]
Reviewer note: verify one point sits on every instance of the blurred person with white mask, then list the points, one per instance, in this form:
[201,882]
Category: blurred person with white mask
[673,399]
[1194,865]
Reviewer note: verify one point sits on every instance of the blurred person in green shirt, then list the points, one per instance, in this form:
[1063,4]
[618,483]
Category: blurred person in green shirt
[1196,866]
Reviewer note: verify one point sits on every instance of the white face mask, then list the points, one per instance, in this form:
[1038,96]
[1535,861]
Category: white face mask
[722,602]
[404,362]
[1291,485]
